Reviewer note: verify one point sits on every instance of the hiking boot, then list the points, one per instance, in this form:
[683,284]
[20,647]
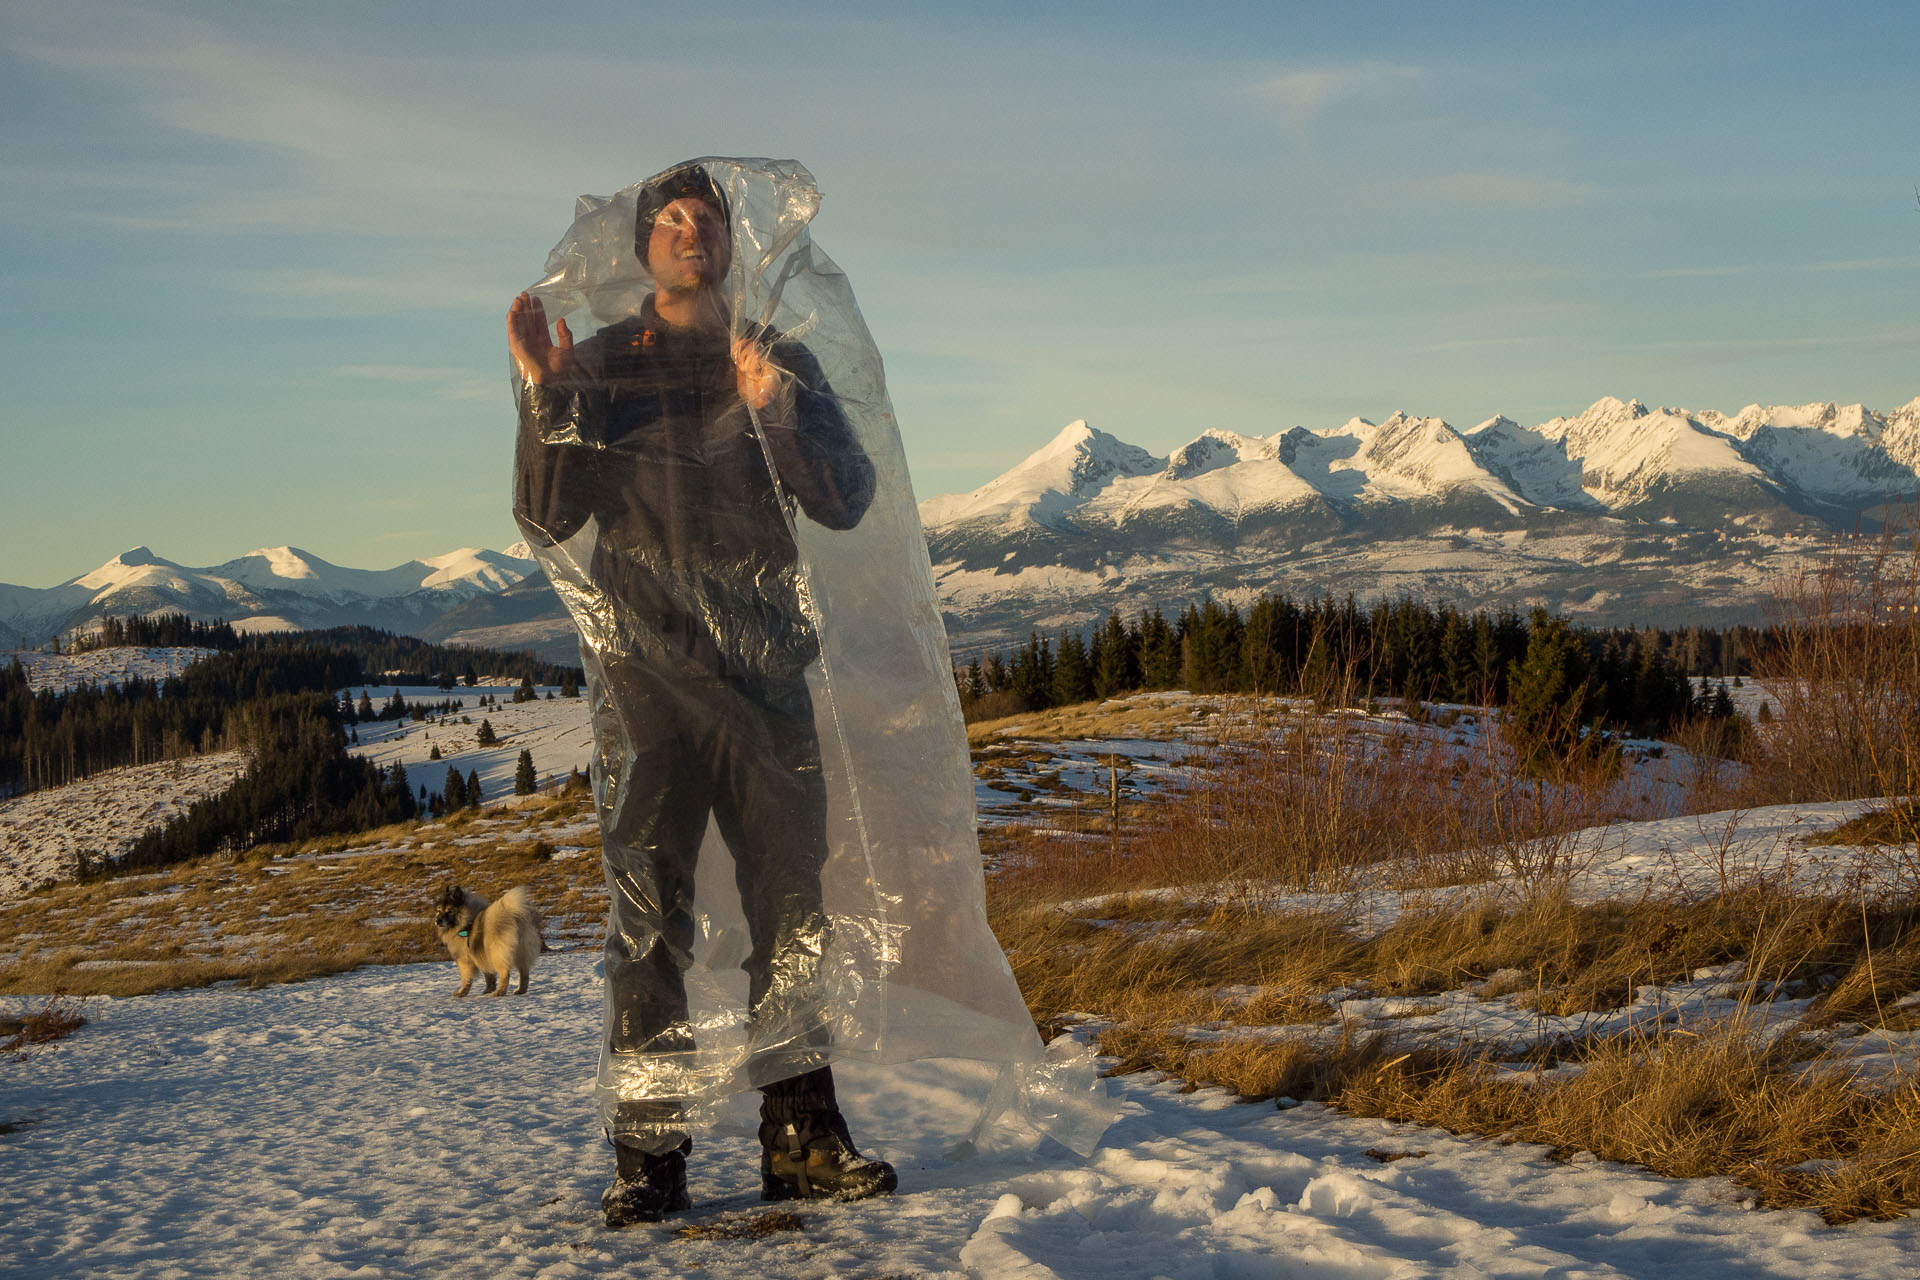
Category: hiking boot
[806,1152]
[647,1186]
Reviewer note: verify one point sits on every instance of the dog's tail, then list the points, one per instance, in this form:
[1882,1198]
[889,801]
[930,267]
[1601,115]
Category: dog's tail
[518,901]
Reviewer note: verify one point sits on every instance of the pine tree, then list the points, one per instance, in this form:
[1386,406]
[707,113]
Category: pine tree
[1072,673]
[473,789]
[1549,695]
[455,790]
[1116,669]
[569,686]
[365,710]
[974,686]
[435,753]
[525,693]
[1159,652]
[524,780]
[486,737]
[399,791]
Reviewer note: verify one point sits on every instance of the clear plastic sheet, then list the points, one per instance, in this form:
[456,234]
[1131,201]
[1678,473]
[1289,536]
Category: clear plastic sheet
[710,471]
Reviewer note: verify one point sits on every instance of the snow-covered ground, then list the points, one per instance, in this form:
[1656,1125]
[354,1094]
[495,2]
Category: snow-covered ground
[556,731]
[101,816]
[64,671]
[1693,857]
[370,1125]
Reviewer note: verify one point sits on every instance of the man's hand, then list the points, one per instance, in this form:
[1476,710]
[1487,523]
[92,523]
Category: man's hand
[538,357]
[763,384]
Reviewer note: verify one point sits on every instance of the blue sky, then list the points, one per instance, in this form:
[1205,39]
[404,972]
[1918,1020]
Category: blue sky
[259,254]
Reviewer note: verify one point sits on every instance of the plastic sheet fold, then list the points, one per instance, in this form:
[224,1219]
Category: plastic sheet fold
[709,469]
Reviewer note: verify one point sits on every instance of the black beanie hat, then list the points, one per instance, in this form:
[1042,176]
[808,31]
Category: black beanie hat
[676,183]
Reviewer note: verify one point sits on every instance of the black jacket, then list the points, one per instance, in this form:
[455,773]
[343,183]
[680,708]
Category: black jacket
[694,563]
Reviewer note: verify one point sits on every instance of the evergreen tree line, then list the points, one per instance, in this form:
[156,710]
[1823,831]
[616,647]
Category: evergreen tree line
[51,738]
[396,707]
[300,783]
[396,659]
[1628,679]
[156,631]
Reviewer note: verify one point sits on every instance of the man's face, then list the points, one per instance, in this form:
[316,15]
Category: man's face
[690,248]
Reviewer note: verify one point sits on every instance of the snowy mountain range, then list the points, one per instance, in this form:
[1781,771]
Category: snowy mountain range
[272,589]
[1621,514]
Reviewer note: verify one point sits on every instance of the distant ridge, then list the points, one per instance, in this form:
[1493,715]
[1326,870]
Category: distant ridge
[1622,513]
[272,588]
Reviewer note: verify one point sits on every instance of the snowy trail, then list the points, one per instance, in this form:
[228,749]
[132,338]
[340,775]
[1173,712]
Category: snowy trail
[369,1125]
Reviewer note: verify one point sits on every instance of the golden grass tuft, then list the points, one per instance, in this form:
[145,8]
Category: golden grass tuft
[57,1019]
[1160,970]
[756,1226]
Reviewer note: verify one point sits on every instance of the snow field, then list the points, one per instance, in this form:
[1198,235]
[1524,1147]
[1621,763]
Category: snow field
[558,733]
[101,816]
[64,671]
[370,1125]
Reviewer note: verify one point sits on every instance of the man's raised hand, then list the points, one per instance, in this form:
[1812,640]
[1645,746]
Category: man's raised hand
[762,383]
[537,356]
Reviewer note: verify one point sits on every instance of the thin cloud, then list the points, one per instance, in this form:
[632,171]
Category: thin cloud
[1300,97]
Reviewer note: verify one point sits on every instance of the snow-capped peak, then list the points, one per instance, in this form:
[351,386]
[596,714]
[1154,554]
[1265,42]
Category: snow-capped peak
[130,565]
[1076,462]
[285,562]
[1217,448]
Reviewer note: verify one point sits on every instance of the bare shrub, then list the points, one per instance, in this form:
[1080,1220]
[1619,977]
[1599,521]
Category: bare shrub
[56,1019]
[1331,802]
[1844,671]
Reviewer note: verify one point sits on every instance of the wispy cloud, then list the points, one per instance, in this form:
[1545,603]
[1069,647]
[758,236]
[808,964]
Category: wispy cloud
[1299,97]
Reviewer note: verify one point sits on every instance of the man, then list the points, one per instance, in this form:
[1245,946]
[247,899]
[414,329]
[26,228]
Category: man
[690,443]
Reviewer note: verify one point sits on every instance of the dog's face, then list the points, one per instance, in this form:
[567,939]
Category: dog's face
[450,909]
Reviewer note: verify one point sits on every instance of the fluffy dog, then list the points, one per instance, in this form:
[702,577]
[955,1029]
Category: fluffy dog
[490,938]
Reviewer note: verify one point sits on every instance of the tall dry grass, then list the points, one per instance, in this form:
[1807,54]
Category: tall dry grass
[1235,996]
[1303,800]
[1844,676]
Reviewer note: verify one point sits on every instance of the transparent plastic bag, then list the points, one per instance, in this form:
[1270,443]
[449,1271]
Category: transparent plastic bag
[710,472]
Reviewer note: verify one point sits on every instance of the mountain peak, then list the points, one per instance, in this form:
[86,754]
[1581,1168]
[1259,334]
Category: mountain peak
[286,562]
[1076,462]
[1074,433]
[136,557]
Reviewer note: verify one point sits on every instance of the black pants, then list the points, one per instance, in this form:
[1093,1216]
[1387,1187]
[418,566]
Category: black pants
[748,757]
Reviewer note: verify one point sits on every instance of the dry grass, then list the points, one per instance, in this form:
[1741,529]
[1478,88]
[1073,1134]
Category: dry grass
[287,913]
[1139,716]
[1168,980]
[1844,682]
[1144,959]
[757,1226]
[57,1019]
[1725,1101]
[1895,824]
[1322,803]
